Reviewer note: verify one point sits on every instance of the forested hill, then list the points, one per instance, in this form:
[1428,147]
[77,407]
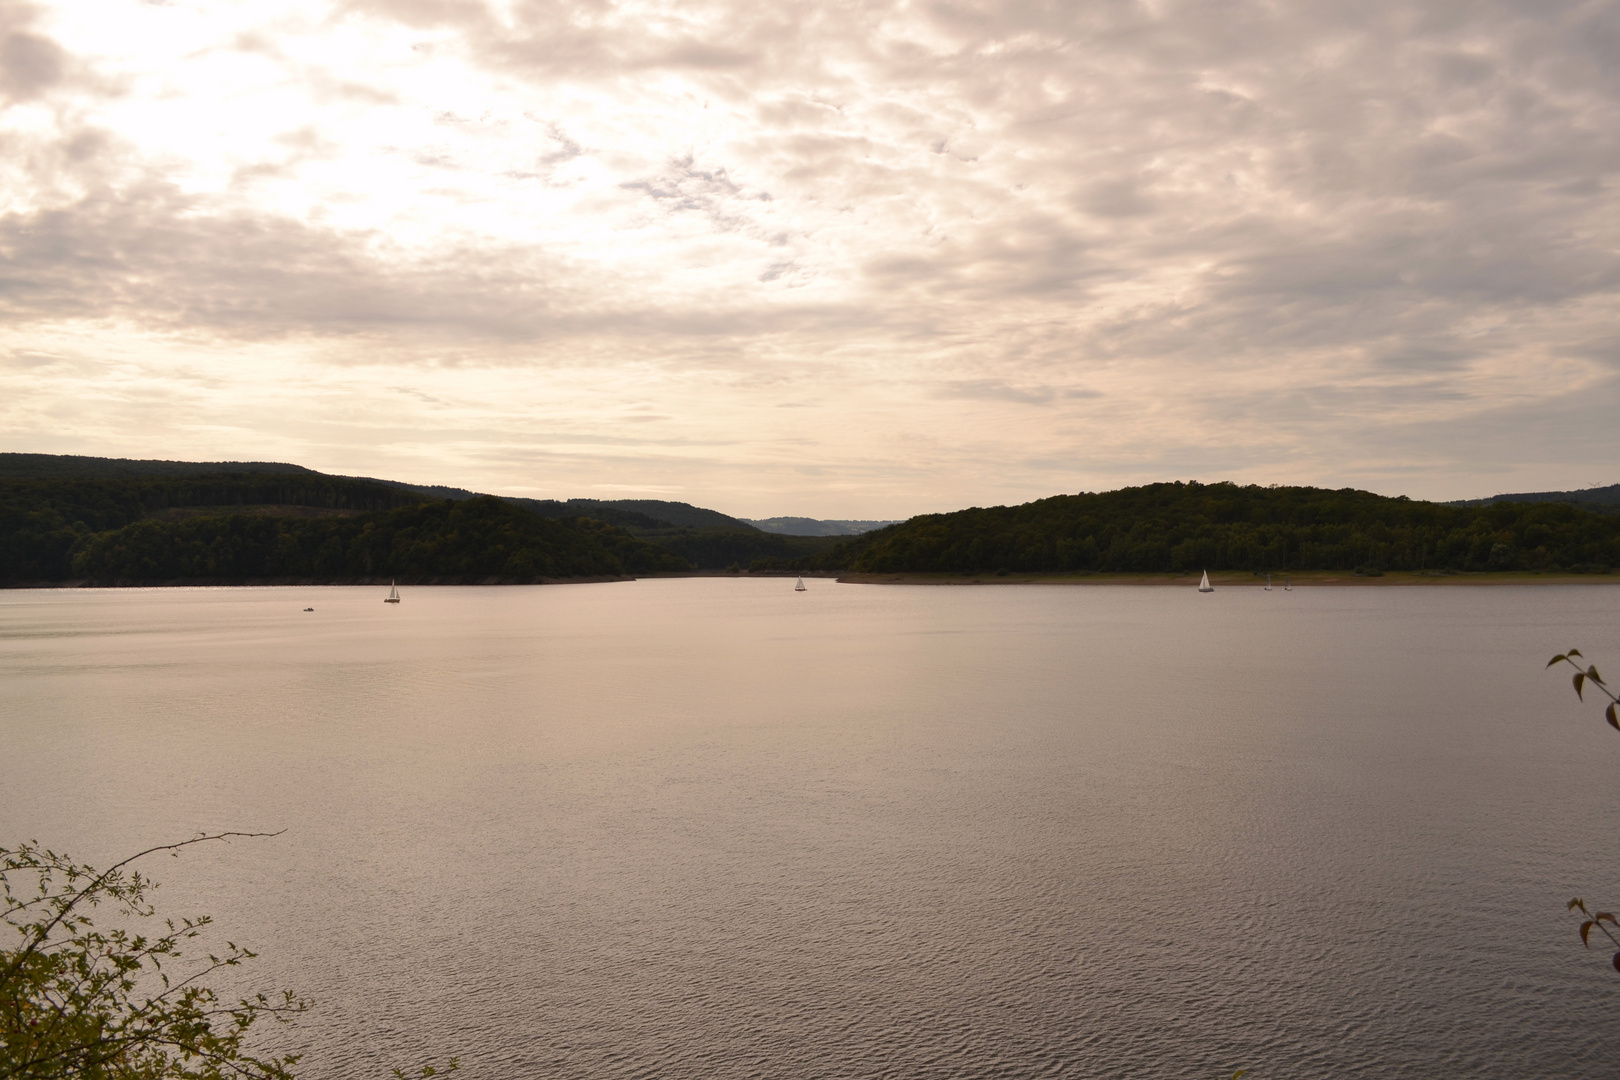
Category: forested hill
[54,509]
[1187,527]
[803,526]
[277,525]
[482,539]
[61,466]
[645,513]
[74,467]
[708,539]
[1604,498]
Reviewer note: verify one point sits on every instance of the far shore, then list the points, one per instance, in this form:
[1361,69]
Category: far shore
[1224,580]
[305,582]
[1241,579]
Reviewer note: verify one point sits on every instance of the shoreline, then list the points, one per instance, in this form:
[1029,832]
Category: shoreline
[1236,579]
[1224,580]
[309,582]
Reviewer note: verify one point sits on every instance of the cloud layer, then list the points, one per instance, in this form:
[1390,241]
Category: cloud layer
[833,258]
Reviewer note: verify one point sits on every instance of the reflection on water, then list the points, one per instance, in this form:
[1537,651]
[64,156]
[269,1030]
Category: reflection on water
[714,828]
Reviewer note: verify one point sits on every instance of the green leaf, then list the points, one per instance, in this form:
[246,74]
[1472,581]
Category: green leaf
[1576,652]
[1580,680]
[1602,916]
[1591,673]
[1576,903]
[1614,721]
[1586,928]
[1560,657]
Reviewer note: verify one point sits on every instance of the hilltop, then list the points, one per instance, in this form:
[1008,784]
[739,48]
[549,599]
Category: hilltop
[66,517]
[1179,527]
[62,466]
[803,526]
[262,526]
[1593,497]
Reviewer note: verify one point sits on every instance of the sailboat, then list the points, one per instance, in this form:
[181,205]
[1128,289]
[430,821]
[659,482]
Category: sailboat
[1204,585]
[800,586]
[393,594]
[1268,583]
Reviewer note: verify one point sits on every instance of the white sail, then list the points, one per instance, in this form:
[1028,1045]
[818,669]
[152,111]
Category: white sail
[800,586]
[1204,585]
[393,594]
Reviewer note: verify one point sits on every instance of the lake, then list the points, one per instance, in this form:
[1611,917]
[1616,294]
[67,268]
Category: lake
[713,828]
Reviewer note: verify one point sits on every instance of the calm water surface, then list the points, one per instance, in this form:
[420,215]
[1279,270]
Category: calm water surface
[711,828]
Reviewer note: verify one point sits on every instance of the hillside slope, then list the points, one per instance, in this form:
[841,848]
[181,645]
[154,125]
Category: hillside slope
[803,526]
[707,539]
[1184,527]
[646,512]
[1607,498]
[63,466]
[257,525]
[469,539]
[50,504]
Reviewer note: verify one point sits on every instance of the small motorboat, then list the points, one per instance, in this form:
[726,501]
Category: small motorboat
[309,609]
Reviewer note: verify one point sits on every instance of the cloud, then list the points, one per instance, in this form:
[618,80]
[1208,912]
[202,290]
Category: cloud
[990,390]
[29,65]
[1247,232]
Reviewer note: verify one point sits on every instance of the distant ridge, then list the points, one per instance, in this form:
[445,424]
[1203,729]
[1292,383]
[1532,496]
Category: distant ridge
[55,507]
[122,521]
[1188,527]
[73,466]
[803,526]
[63,466]
[631,513]
[437,491]
[131,520]
[1594,497]
[683,515]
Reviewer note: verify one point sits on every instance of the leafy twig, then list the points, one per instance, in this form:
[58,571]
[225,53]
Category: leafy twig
[1582,678]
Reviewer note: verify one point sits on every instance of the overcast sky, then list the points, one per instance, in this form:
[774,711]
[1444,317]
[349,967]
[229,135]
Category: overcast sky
[837,259]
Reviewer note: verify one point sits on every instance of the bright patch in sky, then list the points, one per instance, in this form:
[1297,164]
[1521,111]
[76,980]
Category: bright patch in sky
[824,258]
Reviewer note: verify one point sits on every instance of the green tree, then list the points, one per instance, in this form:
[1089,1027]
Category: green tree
[118,1004]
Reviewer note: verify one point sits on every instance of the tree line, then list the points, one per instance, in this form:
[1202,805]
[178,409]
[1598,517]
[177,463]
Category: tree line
[1181,527]
[707,539]
[472,539]
[236,526]
[104,530]
[45,523]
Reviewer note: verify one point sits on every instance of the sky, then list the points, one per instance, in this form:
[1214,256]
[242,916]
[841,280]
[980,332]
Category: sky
[833,259]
